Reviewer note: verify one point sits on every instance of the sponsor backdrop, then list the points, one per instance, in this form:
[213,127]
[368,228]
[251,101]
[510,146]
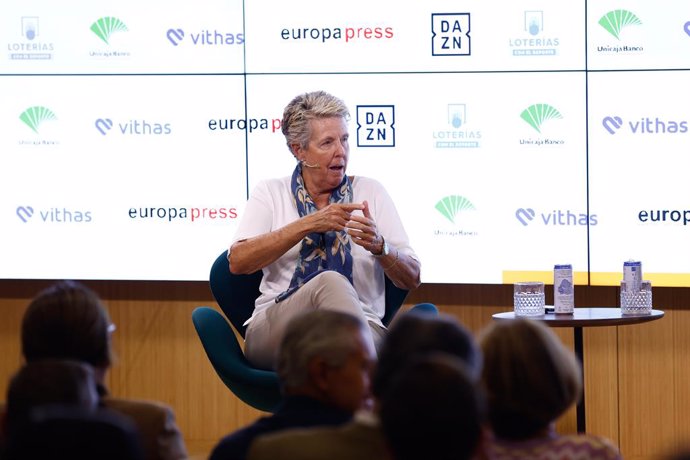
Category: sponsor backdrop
[512,135]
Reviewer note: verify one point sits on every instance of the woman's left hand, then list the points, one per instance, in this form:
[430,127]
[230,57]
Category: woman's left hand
[363,231]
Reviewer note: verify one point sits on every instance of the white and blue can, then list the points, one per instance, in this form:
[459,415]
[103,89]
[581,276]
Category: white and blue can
[563,289]
[632,275]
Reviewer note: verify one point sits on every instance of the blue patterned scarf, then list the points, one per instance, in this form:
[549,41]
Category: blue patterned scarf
[319,251]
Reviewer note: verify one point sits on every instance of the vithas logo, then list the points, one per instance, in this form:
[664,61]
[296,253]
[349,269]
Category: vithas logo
[106,26]
[537,114]
[450,206]
[25,213]
[615,21]
[33,117]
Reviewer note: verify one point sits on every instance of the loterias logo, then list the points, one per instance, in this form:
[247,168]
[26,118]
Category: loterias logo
[375,126]
[536,115]
[34,118]
[614,22]
[104,28]
[645,125]
[533,41]
[204,37]
[54,215]
[133,127]
[30,47]
[450,34]
[451,207]
[555,218]
[457,135]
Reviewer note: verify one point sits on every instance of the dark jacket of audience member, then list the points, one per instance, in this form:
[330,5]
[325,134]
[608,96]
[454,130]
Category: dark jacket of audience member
[433,409]
[68,321]
[323,364]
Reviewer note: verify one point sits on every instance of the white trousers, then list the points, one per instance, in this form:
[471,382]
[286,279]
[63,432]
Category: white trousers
[328,290]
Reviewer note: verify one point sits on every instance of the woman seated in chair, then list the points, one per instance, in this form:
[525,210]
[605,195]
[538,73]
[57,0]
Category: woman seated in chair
[530,379]
[322,238]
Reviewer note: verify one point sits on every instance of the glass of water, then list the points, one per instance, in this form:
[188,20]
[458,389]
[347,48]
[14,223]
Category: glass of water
[636,301]
[528,298]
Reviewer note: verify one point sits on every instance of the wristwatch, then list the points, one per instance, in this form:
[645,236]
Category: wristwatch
[384,251]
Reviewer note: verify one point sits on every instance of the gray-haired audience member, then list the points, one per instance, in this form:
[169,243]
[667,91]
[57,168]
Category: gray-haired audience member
[68,321]
[324,364]
[433,409]
[410,337]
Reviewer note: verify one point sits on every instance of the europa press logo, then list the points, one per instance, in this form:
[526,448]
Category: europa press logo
[450,34]
[375,126]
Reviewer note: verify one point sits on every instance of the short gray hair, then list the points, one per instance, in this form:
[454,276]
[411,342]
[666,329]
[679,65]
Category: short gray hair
[321,333]
[306,107]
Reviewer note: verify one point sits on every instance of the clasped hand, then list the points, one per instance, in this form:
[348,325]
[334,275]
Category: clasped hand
[362,229]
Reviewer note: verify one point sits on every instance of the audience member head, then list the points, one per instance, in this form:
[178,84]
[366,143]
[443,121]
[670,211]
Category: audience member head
[530,377]
[433,409]
[67,321]
[48,382]
[413,335]
[324,354]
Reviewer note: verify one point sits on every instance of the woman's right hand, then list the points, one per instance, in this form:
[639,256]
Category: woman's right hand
[333,217]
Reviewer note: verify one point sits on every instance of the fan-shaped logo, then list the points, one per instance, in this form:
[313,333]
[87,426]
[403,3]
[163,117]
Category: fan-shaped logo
[615,21]
[33,117]
[535,115]
[106,26]
[450,206]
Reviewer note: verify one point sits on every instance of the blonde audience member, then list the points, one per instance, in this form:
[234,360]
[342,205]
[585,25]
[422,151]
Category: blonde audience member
[530,379]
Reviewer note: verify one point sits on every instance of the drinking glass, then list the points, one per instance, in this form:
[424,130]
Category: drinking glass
[528,298]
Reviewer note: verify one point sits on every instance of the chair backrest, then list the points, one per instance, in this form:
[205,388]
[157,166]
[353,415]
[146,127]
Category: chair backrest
[236,294]
[75,433]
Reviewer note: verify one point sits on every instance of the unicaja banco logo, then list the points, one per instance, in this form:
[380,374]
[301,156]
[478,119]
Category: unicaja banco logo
[106,26]
[615,21]
[450,34]
[535,115]
[450,206]
[33,117]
